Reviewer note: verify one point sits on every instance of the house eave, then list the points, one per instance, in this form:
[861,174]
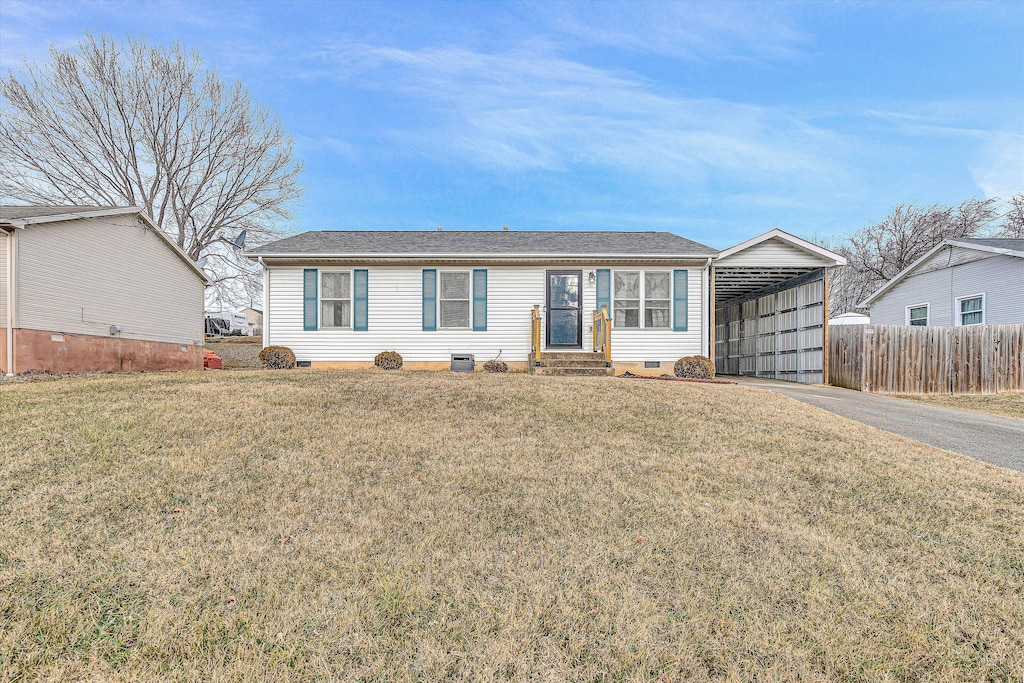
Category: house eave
[270,258]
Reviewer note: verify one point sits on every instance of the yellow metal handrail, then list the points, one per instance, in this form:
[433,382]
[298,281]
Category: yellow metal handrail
[603,333]
[535,324]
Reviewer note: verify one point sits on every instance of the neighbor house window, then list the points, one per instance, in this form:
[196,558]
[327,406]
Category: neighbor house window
[335,299]
[642,299]
[971,310]
[917,315]
[455,298]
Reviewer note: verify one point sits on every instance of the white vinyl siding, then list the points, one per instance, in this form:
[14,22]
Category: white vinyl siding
[83,276]
[775,252]
[1001,277]
[395,319]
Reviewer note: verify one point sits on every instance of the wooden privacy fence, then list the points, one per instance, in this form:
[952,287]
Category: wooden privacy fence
[899,359]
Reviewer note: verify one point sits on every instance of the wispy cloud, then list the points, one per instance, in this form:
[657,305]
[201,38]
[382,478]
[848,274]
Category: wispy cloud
[530,109]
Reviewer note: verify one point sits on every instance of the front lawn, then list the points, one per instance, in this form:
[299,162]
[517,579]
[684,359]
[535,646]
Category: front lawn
[1007,403]
[422,526]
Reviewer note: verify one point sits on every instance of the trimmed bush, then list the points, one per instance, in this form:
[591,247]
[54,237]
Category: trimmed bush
[388,360]
[277,358]
[695,367]
[495,366]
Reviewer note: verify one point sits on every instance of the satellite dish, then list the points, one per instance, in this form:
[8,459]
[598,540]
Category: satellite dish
[201,263]
[239,242]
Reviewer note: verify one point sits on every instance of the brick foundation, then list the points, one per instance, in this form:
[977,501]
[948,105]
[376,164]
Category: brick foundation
[39,350]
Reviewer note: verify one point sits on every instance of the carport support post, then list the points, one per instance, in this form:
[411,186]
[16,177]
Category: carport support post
[711,315]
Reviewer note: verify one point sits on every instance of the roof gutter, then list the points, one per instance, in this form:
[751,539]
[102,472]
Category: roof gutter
[257,256]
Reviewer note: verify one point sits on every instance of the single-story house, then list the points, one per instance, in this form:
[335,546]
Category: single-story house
[95,289]
[255,318]
[967,281]
[534,299]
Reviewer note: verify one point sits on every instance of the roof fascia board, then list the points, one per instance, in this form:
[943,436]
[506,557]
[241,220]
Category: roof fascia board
[793,240]
[57,217]
[986,248]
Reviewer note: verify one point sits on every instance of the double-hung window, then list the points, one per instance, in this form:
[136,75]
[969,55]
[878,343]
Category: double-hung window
[971,310]
[335,299]
[454,299]
[642,299]
[917,315]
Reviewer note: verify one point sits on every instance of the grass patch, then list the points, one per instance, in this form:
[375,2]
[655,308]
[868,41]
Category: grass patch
[427,526]
[1006,404]
[237,355]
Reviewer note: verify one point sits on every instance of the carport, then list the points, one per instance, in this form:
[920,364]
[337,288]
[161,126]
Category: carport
[770,308]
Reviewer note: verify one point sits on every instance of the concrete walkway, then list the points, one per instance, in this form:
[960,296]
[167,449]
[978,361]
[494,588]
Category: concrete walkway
[991,438]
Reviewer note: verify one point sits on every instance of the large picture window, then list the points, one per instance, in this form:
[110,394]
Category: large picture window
[335,299]
[454,299]
[642,299]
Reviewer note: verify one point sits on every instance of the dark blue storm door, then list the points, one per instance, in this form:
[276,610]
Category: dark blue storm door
[565,324]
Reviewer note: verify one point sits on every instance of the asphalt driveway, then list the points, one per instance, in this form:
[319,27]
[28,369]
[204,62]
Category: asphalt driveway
[991,438]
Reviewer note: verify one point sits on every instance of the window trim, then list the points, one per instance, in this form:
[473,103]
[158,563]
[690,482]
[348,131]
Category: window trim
[320,299]
[642,316]
[468,299]
[958,311]
[927,317]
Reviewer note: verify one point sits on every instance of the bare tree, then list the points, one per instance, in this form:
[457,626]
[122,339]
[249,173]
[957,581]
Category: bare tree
[150,126]
[876,253]
[1013,221]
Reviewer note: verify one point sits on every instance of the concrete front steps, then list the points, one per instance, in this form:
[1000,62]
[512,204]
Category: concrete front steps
[574,363]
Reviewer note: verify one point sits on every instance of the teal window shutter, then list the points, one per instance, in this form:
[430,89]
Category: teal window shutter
[680,301]
[604,289]
[360,297]
[430,300]
[309,302]
[480,300]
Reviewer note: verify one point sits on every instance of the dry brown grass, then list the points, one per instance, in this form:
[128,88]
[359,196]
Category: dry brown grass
[1007,404]
[237,355]
[422,526]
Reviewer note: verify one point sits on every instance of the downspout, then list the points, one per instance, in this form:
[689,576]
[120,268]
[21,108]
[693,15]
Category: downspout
[10,302]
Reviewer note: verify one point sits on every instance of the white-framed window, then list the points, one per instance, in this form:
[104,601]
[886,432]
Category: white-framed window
[970,310]
[917,315]
[335,298]
[642,299]
[454,295]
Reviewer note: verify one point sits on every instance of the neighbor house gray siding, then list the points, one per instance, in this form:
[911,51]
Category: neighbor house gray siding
[82,276]
[1000,278]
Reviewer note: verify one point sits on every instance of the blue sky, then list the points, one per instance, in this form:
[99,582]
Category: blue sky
[716,121]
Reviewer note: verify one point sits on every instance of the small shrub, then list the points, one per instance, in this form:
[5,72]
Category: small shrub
[277,358]
[388,360]
[695,367]
[495,366]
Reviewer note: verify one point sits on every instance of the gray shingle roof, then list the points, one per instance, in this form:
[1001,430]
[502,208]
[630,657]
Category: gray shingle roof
[498,242]
[995,243]
[8,213]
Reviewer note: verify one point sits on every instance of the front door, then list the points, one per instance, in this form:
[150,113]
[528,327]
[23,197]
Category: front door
[564,322]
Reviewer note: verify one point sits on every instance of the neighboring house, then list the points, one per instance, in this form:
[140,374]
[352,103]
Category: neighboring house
[337,298]
[959,282]
[255,318]
[100,289]
[849,319]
